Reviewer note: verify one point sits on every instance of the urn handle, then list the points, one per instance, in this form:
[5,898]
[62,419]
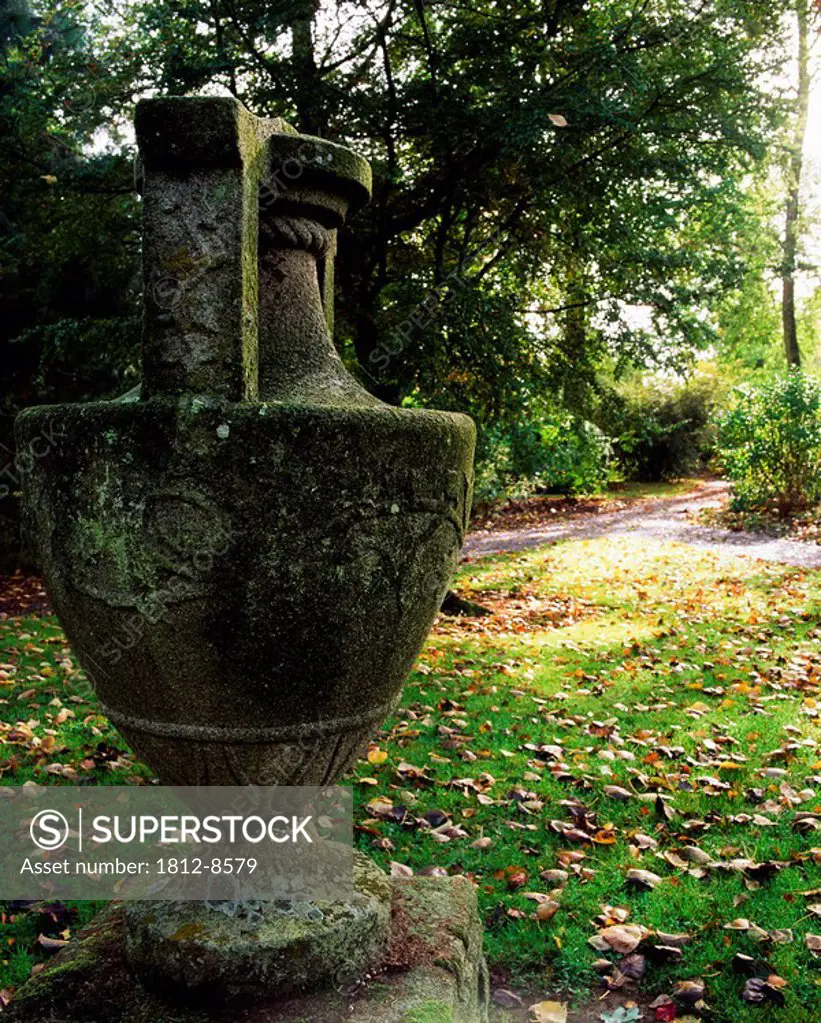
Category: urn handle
[233,206]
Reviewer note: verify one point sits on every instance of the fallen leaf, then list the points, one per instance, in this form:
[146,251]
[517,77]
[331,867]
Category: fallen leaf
[549,1012]
[547,910]
[506,999]
[688,992]
[400,870]
[623,938]
[757,991]
[622,1014]
[51,944]
[643,879]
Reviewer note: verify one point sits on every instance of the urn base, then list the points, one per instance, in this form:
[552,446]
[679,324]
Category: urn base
[432,969]
[201,953]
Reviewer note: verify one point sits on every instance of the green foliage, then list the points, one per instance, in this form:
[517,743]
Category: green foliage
[809,331]
[750,326]
[634,195]
[555,453]
[749,315]
[770,443]
[69,252]
[663,428]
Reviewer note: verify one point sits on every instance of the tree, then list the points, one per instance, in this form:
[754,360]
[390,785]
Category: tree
[748,315]
[540,169]
[488,130]
[69,251]
[795,165]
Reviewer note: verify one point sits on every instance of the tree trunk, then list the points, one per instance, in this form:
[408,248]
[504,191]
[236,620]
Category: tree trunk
[792,352]
[575,327]
[307,79]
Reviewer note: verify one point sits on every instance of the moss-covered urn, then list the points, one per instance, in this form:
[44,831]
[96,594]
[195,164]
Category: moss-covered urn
[247,553]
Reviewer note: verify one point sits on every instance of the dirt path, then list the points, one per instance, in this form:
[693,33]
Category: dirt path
[659,519]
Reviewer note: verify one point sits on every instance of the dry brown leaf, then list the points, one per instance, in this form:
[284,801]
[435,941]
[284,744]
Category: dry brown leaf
[644,879]
[549,1012]
[547,910]
[400,870]
[741,924]
[624,938]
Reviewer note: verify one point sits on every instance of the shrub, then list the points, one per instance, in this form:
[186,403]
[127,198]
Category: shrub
[663,429]
[558,453]
[770,443]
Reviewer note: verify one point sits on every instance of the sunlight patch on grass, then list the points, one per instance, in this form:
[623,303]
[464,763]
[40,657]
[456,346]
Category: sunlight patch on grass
[596,634]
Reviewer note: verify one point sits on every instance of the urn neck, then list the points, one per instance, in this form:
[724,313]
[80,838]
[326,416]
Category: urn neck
[297,358]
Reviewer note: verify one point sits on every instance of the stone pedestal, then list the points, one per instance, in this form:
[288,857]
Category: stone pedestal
[202,955]
[432,971]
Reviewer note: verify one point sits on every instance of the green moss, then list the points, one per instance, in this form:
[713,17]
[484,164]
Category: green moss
[430,1012]
[76,962]
[93,540]
[187,932]
[81,960]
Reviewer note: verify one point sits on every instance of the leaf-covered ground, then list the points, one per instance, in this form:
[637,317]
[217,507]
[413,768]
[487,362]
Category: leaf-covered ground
[800,525]
[629,707]
[626,750]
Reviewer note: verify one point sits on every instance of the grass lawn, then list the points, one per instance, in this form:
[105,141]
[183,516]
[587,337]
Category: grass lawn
[634,490]
[626,706]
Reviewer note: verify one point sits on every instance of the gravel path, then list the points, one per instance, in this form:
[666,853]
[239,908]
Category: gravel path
[661,519]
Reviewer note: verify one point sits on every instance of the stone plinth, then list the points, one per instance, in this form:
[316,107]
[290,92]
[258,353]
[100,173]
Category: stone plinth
[432,972]
[203,955]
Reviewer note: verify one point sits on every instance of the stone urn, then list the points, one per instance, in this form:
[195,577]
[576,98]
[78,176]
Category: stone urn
[247,552]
